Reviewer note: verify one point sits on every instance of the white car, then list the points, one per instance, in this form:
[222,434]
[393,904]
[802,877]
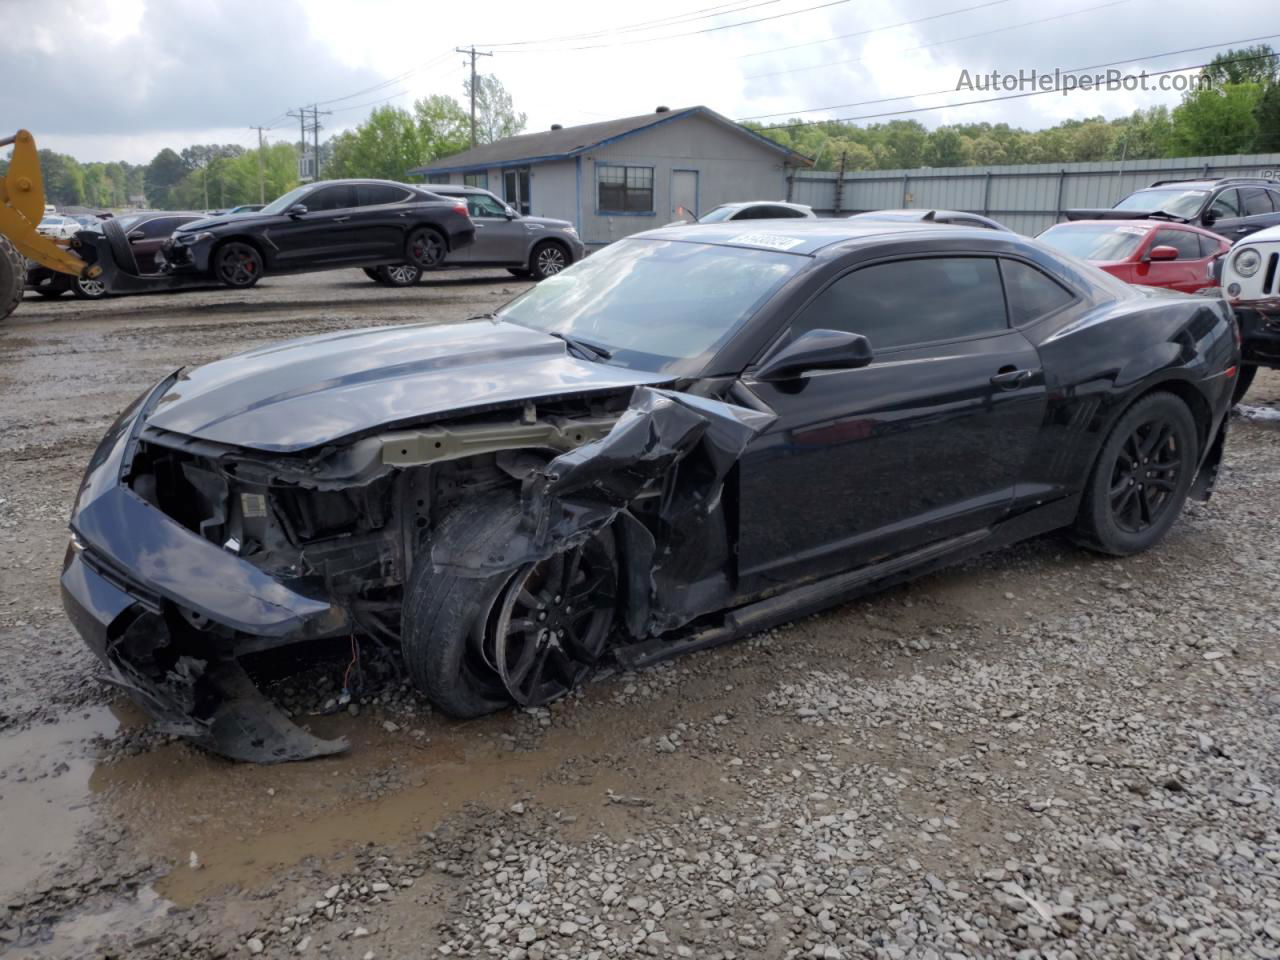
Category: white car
[59,227]
[1251,283]
[751,210]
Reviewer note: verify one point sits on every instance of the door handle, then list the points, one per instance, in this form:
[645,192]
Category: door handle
[1011,378]
[341,219]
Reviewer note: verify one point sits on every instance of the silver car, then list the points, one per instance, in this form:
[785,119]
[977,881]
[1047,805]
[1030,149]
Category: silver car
[537,247]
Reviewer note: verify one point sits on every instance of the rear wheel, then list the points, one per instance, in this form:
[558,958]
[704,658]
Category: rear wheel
[83,288]
[238,265]
[1141,477]
[426,248]
[520,272]
[548,259]
[528,634]
[372,274]
[1244,380]
[399,275]
[13,277]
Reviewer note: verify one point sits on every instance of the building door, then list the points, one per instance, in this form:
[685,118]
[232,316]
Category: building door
[684,194]
[515,188]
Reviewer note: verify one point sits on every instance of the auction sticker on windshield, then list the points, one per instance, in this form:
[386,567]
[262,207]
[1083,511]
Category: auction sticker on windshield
[775,241]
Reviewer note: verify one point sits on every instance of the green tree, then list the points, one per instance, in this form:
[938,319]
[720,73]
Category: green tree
[1267,117]
[63,178]
[443,125]
[1256,64]
[163,174]
[947,147]
[496,116]
[1216,121]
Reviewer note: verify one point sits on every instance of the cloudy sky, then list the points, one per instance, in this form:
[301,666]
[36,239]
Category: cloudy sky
[119,80]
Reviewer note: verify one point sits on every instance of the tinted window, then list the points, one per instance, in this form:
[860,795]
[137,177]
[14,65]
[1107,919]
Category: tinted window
[911,301]
[1226,204]
[1032,294]
[1208,246]
[483,205]
[766,212]
[1256,201]
[1176,200]
[1184,241]
[331,198]
[372,194]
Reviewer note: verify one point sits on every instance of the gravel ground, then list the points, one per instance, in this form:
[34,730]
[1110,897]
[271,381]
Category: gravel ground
[1042,753]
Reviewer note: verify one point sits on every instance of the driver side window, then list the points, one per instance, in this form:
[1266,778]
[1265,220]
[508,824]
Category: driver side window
[907,302]
[330,198]
[1226,204]
[480,205]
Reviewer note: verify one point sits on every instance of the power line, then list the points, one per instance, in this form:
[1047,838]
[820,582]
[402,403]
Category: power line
[863,33]
[937,43]
[695,33]
[472,90]
[388,82]
[935,93]
[691,16]
[1012,96]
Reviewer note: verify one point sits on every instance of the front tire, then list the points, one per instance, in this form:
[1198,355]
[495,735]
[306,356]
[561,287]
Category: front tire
[1140,480]
[372,274]
[85,289]
[475,644]
[548,259]
[13,277]
[238,265]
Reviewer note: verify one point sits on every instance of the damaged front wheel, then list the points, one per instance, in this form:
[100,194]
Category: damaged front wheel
[530,635]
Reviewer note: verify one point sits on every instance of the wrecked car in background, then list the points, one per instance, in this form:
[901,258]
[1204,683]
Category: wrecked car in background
[694,434]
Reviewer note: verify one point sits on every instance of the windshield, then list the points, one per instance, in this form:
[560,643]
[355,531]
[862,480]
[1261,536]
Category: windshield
[659,305]
[1179,202]
[281,204]
[1091,241]
[718,214]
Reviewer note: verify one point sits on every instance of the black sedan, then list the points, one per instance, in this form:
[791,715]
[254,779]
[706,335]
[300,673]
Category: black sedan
[693,434]
[320,226]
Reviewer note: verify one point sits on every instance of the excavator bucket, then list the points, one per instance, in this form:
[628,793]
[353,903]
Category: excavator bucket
[22,209]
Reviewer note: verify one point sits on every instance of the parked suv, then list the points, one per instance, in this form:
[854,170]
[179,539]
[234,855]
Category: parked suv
[1233,207]
[1251,283]
[537,247]
[319,226]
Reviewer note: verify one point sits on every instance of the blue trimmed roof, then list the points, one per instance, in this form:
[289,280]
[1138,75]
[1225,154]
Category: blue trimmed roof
[530,148]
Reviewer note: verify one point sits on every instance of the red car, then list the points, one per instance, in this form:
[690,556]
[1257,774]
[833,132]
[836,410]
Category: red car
[1152,253]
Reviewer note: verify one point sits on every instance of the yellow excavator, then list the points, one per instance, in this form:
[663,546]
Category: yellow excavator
[21,210]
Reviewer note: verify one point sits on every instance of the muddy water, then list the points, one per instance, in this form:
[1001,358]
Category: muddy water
[45,793]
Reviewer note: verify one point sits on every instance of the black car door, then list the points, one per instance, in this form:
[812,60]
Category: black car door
[147,237]
[927,441]
[381,221]
[326,233]
[1258,209]
[1226,215]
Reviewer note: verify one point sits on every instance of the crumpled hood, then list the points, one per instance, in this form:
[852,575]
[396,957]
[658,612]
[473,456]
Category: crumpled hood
[316,390]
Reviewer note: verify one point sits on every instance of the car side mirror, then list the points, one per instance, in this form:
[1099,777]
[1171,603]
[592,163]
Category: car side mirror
[817,350]
[511,214]
[1209,218]
[1163,253]
[136,235]
[297,210]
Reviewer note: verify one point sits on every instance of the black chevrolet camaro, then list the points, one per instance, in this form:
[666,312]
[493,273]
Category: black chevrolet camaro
[691,435]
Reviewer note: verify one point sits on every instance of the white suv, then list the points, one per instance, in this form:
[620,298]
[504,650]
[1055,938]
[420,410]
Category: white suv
[1251,283]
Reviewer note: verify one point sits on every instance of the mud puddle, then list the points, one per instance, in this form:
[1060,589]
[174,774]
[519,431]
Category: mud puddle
[45,792]
[73,936]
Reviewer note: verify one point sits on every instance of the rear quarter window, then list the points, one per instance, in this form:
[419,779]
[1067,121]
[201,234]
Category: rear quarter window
[1032,293]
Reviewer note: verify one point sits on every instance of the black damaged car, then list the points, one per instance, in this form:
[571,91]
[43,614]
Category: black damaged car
[691,435]
[321,226]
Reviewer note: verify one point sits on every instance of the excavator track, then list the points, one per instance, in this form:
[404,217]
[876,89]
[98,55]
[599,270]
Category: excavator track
[13,275]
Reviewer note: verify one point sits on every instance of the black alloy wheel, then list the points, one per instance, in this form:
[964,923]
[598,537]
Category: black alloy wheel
[238,265]
[426,248]
[547,260]
[1141,477]
[553,621]
[1145,475]
[399,275]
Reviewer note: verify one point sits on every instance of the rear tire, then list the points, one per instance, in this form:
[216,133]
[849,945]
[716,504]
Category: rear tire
[238,265]
[425,248]
[13,277]
[372,274]
[399,275]
[83,289]
[1244,380]
[522,272]
[1140,480]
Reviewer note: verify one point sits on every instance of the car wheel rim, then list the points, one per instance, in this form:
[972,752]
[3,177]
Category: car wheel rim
[1145,476]
[92,288]
[428,250]
[550,261]
[553,621]
[238,266]
[402,274]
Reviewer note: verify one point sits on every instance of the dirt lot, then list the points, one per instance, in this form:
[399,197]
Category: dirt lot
[1040,754]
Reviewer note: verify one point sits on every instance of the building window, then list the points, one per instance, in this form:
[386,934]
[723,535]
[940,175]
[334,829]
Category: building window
[438,178]
[624,189]
[480,180]
[515,188]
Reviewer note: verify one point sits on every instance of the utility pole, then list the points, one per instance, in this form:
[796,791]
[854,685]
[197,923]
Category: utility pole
[262,185]
[314,113]
[472,53]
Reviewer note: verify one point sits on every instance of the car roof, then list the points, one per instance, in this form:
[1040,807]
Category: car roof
[451,188]
[769,203]
[809,237]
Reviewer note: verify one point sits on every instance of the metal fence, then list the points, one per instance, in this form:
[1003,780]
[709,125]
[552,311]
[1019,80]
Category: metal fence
[1025,197]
